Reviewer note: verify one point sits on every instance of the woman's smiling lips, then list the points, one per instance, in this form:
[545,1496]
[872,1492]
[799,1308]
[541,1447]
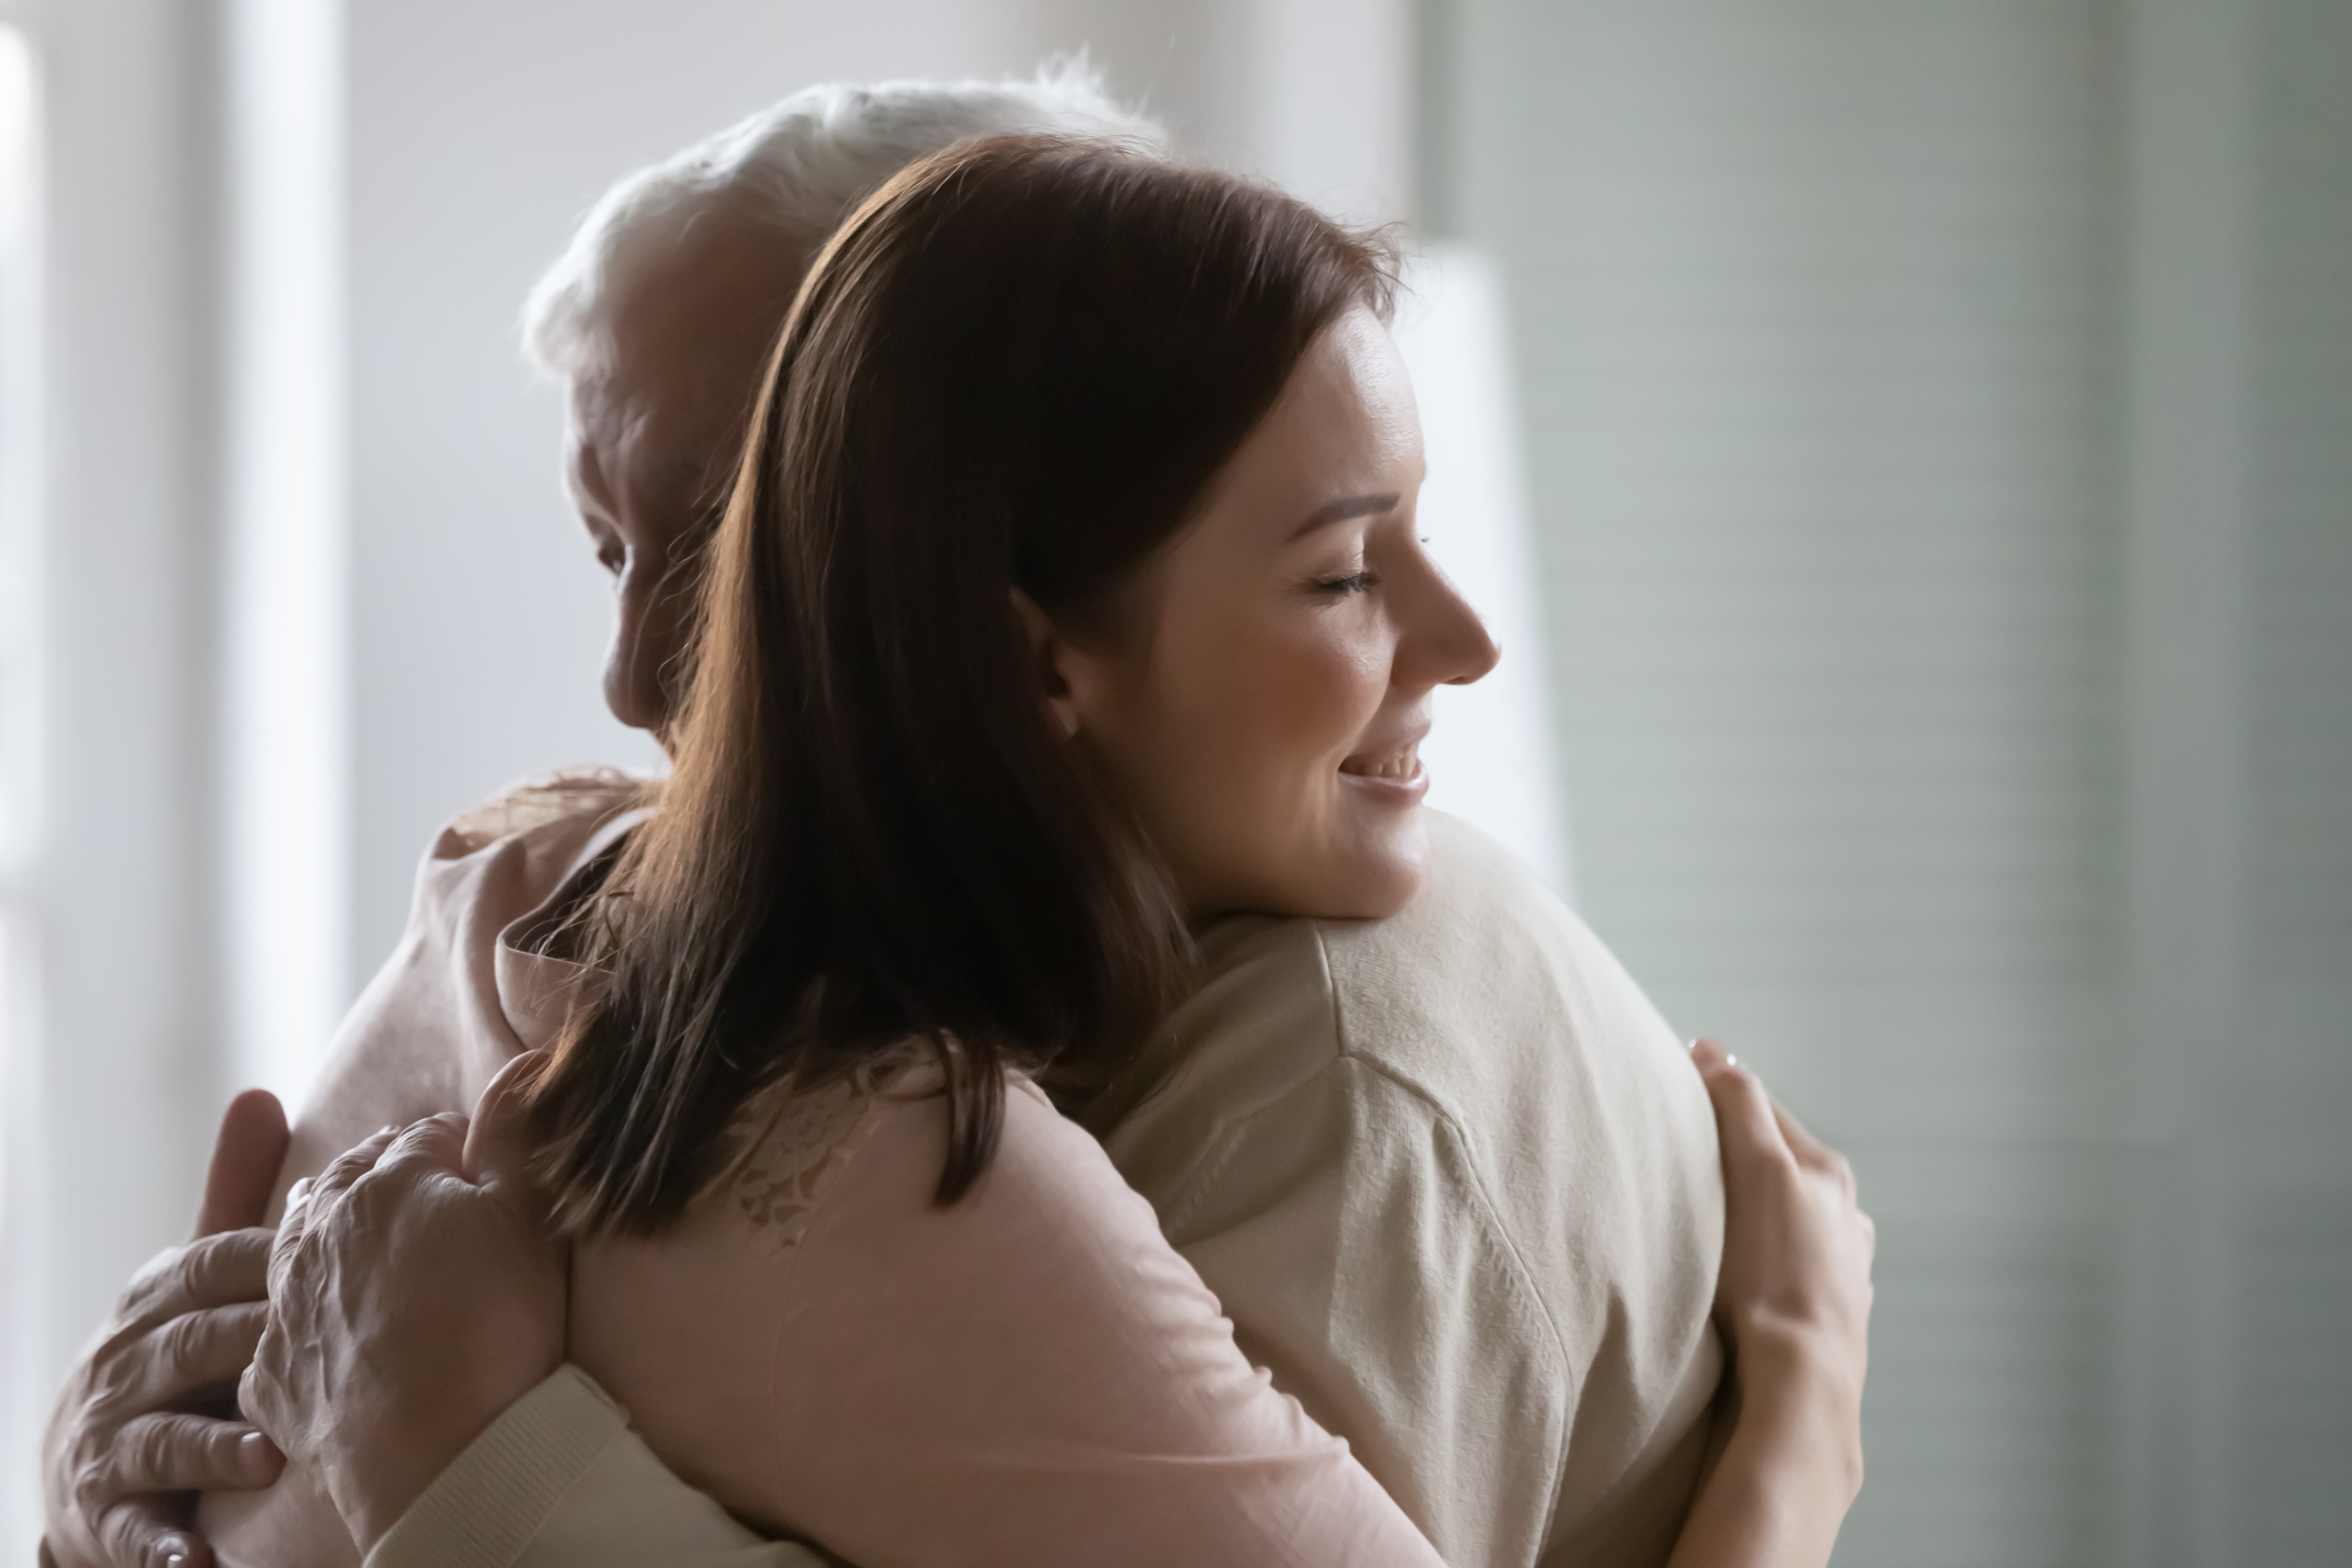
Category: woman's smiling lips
[1392,775]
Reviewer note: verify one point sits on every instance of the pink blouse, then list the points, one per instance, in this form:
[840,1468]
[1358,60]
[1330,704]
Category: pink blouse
[1030,1376]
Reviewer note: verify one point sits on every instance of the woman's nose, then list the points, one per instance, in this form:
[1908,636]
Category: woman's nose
[1445,643]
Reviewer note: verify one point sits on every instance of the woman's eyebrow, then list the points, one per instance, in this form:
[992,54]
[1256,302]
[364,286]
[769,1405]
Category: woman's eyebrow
[1340,510]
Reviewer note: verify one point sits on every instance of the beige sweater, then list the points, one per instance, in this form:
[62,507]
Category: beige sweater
[1457,1185]
[1448,1173]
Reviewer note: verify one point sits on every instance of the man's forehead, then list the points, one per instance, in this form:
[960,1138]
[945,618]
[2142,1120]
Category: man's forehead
[625,436]
[675,366]
[686,342]
[716,289]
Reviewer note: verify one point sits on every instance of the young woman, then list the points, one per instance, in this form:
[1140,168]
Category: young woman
[1069,595]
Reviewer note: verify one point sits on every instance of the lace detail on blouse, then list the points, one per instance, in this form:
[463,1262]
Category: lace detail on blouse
[781,1178]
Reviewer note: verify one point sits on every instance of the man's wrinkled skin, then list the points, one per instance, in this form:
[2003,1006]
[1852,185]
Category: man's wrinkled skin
[136,1433]
[447,1209]
[654,437]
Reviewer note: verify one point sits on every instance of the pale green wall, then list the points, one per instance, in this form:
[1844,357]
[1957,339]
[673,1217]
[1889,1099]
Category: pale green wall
[1939,419]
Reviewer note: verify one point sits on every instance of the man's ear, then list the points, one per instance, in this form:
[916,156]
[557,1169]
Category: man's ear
[1065,675]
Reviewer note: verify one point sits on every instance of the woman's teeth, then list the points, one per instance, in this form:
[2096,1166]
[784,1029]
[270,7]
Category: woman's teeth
[1402,764]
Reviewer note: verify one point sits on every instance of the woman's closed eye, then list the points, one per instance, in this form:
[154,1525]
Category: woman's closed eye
[1353,583]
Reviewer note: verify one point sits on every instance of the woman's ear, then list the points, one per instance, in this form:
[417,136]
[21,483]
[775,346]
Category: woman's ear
[1064,675]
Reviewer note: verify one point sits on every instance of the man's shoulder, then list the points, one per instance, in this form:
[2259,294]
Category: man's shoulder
[1259,1030]
[504,857]
[1448,1162]
[1486,1003]
[1483,998]
[1486,973]
[578,798]
[1575,1101]
[437,1020]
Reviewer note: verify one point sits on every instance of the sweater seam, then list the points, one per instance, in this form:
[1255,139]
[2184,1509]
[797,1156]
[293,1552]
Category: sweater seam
[1211,1168]
[1480,1185]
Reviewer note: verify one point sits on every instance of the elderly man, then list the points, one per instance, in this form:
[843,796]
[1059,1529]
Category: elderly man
[1448,1172]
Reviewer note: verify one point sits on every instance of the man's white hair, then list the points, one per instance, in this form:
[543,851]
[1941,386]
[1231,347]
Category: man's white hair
[798,167]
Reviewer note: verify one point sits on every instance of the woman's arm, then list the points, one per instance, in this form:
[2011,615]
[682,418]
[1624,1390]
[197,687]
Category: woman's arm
[1084,1404]
[1030,1375]
[1794,1300]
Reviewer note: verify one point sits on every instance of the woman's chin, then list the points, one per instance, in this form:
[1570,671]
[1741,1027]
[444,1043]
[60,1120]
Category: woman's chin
[1372,872]
[1362,862]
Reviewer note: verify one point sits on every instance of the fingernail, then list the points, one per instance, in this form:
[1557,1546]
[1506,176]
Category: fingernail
[1730,1060]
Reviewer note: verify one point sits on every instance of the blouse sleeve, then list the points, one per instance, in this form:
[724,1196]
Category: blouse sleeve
[1033,1377]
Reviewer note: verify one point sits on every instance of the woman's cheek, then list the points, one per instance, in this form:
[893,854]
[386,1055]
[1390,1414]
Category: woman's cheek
[1332,697]
[1274,700]
[1327,692]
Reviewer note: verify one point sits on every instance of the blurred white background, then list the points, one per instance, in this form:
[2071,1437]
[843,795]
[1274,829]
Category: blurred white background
[1905,445]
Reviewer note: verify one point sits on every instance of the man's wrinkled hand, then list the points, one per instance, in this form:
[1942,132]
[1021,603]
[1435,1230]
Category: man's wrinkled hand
[414,1293]
[133,1436]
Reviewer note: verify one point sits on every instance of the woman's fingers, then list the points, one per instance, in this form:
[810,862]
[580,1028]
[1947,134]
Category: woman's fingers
[1808,1149]
[1793,1292]
[1811,1152]
[1743,1111]
[1763,1124]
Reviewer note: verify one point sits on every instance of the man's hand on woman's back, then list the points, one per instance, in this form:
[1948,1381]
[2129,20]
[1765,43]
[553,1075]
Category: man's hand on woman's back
[133,1436]
[415,1292]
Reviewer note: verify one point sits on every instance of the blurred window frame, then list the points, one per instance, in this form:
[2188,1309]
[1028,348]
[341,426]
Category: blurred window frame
[24,525]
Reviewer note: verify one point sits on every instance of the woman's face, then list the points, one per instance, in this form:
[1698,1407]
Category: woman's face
[1265,716]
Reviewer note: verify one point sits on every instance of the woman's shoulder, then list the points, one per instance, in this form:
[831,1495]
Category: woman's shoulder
[865,1151]
[818,1249]
[792,1142]
[1017,1313]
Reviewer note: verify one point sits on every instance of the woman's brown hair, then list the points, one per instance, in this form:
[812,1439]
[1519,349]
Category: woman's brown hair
[1017,366]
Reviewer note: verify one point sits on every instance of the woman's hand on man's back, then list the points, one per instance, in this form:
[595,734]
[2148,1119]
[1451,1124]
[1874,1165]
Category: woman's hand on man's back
[1794,1299]
[414,1293]
[1797,1251]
